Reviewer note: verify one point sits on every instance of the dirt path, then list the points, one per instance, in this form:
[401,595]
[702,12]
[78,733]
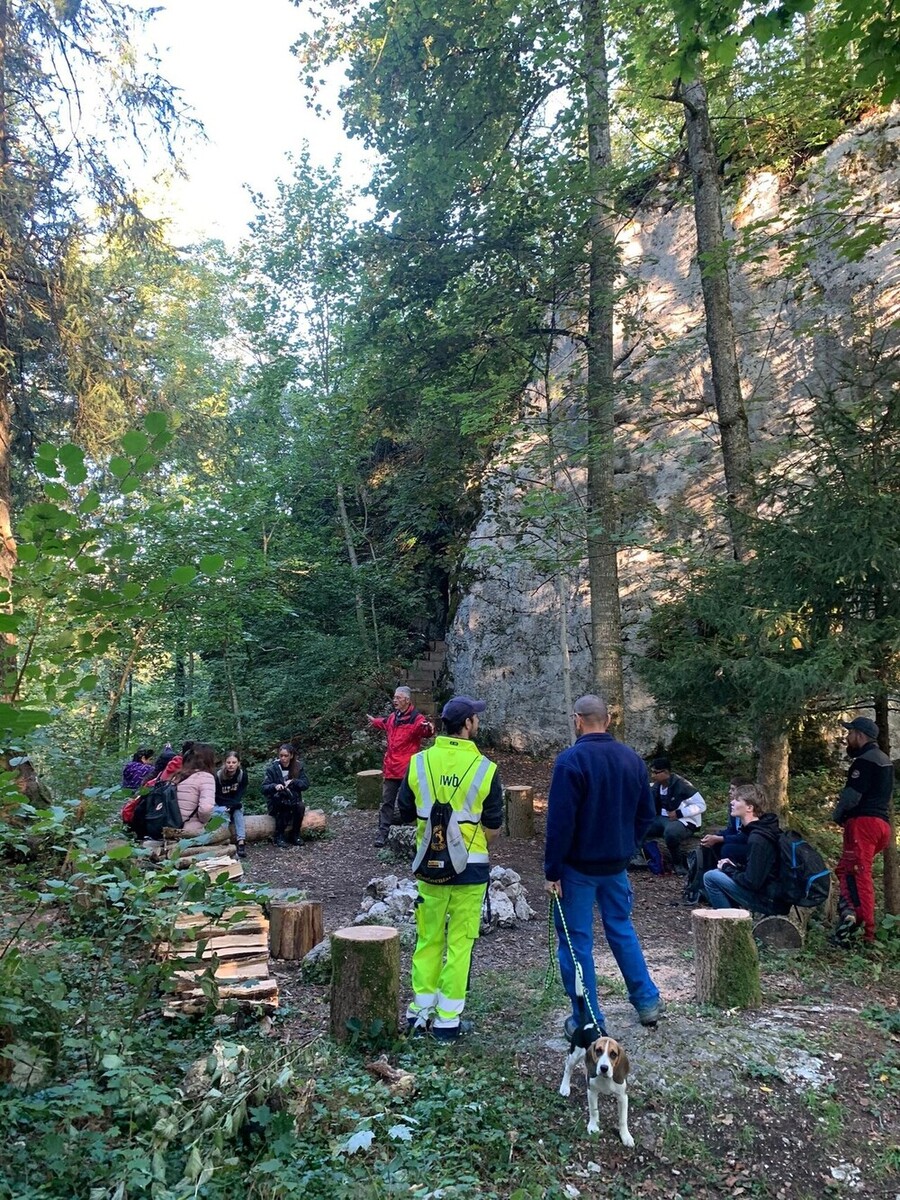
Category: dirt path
[803,1092]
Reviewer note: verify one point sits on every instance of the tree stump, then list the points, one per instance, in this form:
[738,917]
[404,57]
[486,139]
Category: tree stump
[368,789]
[294,928]
[726,961]
[520,812]
[260,826]
[365,979]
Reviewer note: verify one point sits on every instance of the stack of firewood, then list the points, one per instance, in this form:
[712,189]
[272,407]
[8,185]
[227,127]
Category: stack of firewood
[215,860]
[234,947]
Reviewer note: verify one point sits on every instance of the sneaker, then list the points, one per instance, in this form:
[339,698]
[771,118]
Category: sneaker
[415,1029]
[380,840]
[650,1015]
[279,840]
[242,849]
[452,1033]
[846,930]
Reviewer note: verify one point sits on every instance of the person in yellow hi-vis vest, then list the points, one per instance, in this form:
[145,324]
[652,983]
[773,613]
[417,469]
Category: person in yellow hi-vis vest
[454,794]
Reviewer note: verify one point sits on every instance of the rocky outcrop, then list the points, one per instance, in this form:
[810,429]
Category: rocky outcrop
[797,299]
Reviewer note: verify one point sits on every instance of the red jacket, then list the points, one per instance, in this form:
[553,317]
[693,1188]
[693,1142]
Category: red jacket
[405,735]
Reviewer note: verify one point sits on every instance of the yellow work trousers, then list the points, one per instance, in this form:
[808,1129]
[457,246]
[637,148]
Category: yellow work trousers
[448,919]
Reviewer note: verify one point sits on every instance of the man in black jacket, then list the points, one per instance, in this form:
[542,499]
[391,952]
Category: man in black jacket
[755,885]
[862,809]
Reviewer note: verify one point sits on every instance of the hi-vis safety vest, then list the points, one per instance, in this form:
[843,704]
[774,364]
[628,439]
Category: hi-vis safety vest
[453,772]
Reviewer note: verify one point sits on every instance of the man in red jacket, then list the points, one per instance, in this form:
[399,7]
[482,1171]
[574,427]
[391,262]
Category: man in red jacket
[406,730]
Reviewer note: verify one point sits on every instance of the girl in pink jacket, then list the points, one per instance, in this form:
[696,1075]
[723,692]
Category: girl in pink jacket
[196,786]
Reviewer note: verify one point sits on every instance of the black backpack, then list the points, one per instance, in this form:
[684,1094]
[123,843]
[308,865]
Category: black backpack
[803,879]
[156,811]
[442,854]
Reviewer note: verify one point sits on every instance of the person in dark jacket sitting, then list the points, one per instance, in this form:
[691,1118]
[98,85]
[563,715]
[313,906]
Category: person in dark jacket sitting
[755,885]
[283,787]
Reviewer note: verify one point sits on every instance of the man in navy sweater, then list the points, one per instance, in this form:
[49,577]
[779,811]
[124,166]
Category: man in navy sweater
[598,812]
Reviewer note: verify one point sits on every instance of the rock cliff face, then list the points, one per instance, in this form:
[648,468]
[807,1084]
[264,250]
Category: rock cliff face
[796,299]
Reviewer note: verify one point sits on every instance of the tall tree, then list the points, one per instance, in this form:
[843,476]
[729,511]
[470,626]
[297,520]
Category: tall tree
[602,549]
[57,162]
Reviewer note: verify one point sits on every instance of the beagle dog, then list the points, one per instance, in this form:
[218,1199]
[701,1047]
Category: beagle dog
[606,1066]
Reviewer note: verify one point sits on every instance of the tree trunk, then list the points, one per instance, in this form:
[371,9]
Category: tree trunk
[891,863]
[354,566]
[712,249]
[179,689]
[603,570]
[368,789]
[520,812]
[562,584]
[726,961]
[129,708]
[365,981]
[294,929]
[562,578]
[7,541]
[235,707]
[772,769]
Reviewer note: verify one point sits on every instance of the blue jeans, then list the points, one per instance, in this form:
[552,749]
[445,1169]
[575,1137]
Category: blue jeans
[614,898]
[723,892]
[236,817]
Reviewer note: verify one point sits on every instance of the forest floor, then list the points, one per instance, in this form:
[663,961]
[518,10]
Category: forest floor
[798,1099]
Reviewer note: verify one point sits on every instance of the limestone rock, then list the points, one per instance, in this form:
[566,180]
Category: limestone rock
[504,644]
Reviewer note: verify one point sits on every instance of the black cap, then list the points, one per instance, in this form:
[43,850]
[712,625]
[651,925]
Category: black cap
[864,725]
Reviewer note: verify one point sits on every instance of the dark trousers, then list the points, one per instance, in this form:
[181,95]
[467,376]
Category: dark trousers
[674,833]
[387,814]
[288,819]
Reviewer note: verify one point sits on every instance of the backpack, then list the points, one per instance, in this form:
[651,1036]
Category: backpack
[803,878]
[442,854]
[155,811]
[693,884]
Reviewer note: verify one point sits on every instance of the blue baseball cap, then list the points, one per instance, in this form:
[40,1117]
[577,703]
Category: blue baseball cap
[460,707]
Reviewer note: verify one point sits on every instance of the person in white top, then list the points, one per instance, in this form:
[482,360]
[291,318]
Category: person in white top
[679,808]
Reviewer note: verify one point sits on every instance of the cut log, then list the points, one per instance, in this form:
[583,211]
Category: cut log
[260,827]
[216,868]
[223,947]
[295,928]
[726,961]
[229,919]
[365,979]
[368,789]
[782,933]
[187,861]
[253,966]
[520,812]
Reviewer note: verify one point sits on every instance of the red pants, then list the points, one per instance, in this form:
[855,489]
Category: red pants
[864,837]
